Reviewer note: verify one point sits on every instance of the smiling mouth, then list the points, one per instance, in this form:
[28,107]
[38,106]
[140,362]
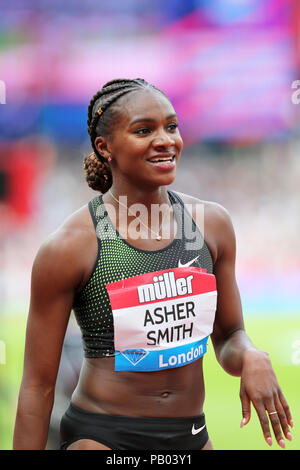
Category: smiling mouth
[169,159]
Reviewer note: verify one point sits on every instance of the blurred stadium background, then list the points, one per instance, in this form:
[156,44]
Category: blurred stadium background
[228,66]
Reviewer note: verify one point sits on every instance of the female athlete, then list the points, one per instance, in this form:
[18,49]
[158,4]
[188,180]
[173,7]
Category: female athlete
[147,289]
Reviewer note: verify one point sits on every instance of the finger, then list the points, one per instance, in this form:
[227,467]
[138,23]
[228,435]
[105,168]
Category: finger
[274,409]
[264,421]
[276,425]
[286,409]
[246,408]
[283,418]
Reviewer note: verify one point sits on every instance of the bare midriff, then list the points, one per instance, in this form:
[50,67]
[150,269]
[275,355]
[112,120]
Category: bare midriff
[176,392]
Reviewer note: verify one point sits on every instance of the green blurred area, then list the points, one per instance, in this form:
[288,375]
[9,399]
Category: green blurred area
[279,336]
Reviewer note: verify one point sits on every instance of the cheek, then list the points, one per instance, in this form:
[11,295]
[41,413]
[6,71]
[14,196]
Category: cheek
[179,142]
[130,152]
[131,144]
[134,148]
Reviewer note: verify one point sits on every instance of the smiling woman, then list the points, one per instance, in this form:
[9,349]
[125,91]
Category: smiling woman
[138,113]
[146,305]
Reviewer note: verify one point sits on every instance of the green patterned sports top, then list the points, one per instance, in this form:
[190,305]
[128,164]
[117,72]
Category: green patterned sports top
[117,260]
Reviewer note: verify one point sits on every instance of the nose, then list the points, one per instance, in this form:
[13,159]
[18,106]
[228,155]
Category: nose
[163,139]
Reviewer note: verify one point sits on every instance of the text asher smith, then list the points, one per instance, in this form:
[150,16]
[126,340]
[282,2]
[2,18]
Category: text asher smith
[165,286]
[163,315]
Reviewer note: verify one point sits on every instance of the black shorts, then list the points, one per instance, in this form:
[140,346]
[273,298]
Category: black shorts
[133,433]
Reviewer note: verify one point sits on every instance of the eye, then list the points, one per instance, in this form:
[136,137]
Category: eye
[142,131]
[173,126]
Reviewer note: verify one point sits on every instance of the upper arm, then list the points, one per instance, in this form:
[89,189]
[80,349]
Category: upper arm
[229,317]
[55,275]
[220,238]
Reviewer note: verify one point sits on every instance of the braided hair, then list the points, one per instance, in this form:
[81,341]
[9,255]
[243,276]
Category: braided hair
[101,116]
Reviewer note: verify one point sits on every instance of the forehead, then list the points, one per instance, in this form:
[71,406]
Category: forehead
[145,104]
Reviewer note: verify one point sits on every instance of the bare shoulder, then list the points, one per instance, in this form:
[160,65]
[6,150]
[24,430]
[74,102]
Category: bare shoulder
[214,212]
[66,251]
[217,224]
[74,232]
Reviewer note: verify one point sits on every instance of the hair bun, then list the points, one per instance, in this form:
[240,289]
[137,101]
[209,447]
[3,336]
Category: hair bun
[97,173]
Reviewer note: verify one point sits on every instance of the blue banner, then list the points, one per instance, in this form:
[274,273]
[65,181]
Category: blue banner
[142,360]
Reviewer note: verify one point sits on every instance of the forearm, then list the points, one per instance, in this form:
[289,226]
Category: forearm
[231,351]
[33,417]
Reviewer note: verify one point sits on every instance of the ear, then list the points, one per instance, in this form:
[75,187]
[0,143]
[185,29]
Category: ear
[103,147]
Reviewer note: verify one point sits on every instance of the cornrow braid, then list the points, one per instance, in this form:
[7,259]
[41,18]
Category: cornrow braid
[101,116]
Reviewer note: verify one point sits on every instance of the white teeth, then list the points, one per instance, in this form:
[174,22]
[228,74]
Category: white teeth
[162,160]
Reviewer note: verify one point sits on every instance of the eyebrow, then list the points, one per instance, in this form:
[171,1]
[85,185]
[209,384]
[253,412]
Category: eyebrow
[150,119]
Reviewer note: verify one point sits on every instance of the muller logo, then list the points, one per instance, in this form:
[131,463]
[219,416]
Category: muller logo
[165,286]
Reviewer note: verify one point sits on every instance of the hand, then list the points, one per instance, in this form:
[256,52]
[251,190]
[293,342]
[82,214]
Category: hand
[259,385]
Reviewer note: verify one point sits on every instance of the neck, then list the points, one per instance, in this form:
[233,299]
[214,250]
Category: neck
[155,213]
[141,196]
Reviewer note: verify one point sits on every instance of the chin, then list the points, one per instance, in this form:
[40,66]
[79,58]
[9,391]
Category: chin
[165,180]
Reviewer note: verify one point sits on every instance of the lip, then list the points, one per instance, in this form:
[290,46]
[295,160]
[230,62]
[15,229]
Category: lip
[161,156]
[160,165]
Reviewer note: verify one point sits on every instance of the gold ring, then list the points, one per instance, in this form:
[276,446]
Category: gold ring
[273,413]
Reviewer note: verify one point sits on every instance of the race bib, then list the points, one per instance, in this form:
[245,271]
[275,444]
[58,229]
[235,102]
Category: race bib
[162,319]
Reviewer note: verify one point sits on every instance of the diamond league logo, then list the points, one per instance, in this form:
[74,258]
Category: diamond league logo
[134,355]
